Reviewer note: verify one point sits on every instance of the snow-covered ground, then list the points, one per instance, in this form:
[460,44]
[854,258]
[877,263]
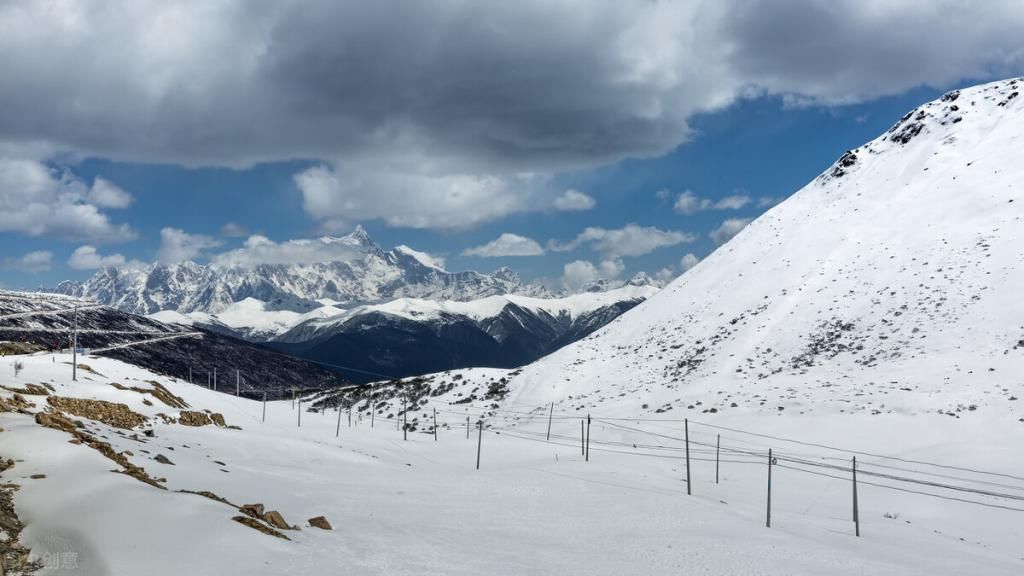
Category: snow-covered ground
[418,506]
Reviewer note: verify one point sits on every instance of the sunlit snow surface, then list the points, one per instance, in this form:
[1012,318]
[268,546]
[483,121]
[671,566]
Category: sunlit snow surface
[420,507]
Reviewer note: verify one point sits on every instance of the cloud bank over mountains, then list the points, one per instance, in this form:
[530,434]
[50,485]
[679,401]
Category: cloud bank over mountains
[442,114]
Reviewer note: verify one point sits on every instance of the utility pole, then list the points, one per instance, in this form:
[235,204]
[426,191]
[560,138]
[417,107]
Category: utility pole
[405,419]
[588,438]
[373,407]
[479,442]
[768,522]
[337,430]
[551,413]
[238,383]
[686,424]
[214,378]
[74,348]
[856,506]
[264,406]
[718,448]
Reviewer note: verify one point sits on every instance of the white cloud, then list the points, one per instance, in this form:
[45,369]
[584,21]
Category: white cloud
[106,194]
[259,250]
[688,261]
[631,240]
[507,245]
[40,201]
[728,229]
[33,262]
[579,273]
[234,230]
[664,276]
[176,245]
[574,200]
[88,258]
[734,202]
[406,196]
[690,203]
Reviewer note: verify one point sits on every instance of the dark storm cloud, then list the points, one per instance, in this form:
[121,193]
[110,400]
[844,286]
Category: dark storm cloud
[525,85]
[460,104]
[828,51]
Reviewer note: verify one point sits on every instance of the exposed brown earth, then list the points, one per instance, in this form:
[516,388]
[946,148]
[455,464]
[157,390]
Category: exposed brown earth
[110,413]
[13,556]
[58,421]
[29,390]
[321,523]
[257,525]
[158,391]
[190,418]
[16,403]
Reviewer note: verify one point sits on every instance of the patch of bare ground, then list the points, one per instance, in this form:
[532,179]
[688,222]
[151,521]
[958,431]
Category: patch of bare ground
[193,418]
[110,413]
[257,525]
[16,403]
[158,391]
[13,556]
[29,390]
[58,421]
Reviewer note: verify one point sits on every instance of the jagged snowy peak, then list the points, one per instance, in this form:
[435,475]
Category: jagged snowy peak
[367,274]
[891,282]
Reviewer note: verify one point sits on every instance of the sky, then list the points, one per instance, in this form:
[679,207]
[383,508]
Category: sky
[567,140]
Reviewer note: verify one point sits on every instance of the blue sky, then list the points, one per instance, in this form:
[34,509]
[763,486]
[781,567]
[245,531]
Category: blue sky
[594,139]
[761,148]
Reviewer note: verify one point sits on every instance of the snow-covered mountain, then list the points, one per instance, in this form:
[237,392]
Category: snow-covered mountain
[44,322]
[412,336]
[368,273]
[892,282]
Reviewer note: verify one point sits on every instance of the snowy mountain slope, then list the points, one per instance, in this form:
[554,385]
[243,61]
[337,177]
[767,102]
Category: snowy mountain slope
[45,322]
[367,274]
[891,283]
[418,506]
[249,318]
[412,336]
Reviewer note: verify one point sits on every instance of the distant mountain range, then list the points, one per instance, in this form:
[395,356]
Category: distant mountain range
[368,273]
[391,312]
